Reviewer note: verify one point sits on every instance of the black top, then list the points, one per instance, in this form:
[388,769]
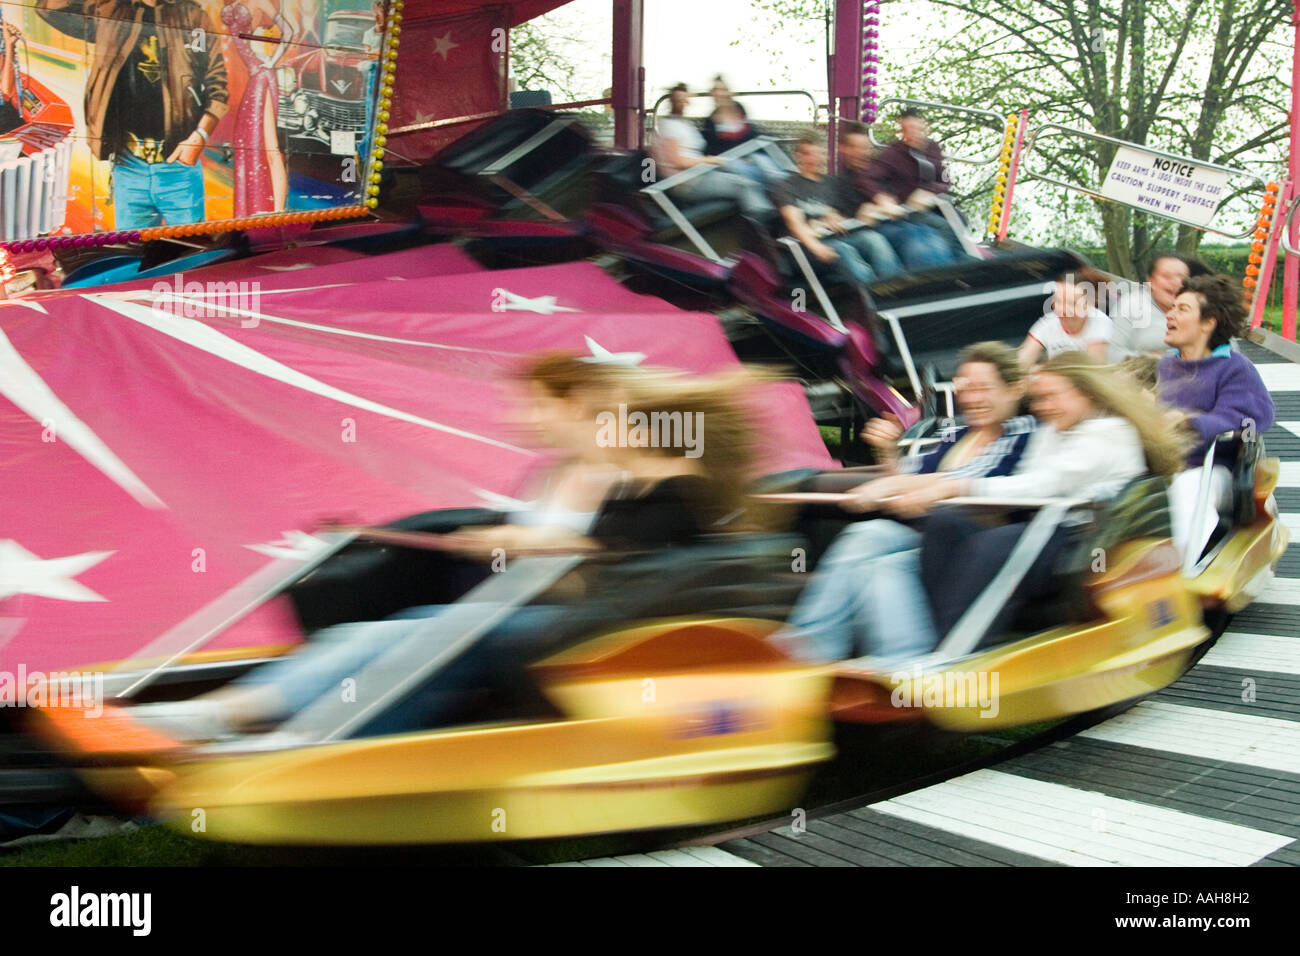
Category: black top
[641,515]
[136,105]
[813,197]
[718,140]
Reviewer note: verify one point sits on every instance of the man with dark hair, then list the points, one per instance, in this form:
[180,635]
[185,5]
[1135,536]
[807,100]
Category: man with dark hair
[155,91]
[812,206]
[904,178]
[918,246]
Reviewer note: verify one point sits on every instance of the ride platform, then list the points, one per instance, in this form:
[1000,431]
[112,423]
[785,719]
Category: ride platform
[1203,773]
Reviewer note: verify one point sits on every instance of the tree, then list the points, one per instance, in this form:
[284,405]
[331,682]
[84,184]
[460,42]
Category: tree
[1195,77]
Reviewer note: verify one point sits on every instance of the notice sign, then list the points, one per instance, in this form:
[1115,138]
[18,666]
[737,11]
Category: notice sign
[1173,188]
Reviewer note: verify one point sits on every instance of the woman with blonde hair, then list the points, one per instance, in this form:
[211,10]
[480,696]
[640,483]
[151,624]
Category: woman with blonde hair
[1097,434]
[671,453]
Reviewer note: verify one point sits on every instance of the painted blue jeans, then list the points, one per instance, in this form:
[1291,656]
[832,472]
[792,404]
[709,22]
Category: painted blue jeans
[150,194]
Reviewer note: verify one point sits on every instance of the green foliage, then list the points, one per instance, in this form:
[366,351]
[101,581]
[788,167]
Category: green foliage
[1202,78]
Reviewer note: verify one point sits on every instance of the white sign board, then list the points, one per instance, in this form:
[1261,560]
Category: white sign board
[1174,188]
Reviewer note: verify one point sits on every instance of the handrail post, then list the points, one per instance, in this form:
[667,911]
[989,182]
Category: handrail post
[1011,175]
[1276,238]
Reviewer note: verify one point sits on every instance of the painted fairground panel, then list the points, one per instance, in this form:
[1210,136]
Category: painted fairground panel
[129,114]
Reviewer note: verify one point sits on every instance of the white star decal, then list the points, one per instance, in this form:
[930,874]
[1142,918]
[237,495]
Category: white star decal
[22,572]
[292,544]
[443,45]
[602,355]
[507,301]
[499,502]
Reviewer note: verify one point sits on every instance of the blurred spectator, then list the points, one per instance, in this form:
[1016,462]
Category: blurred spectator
[1073,325]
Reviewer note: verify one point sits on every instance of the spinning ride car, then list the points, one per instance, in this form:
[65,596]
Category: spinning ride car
[665,708]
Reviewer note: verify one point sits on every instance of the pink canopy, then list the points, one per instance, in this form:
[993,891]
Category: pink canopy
[155,449]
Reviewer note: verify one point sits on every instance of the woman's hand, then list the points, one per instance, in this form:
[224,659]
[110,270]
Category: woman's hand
[882,434]
[917,501]
[486,542]
[870,495]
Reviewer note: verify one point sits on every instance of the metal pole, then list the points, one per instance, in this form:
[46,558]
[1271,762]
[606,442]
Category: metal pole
[628,87]
[1011,173]
[1291,266]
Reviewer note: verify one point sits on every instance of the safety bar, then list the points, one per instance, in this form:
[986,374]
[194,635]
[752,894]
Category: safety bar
[1031,140]
[213,618]
[998,120]
[430,645]
[658,191]
[969,630]
[958,227]
[527,146]
[810,276]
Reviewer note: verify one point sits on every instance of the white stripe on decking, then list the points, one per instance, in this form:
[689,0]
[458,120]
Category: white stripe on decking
[686,856]
[1289,474]
[1292,427]
[1291,521]
[1282,591]
[1280,376]
[1210,734]
[1255,652]
[1054,822]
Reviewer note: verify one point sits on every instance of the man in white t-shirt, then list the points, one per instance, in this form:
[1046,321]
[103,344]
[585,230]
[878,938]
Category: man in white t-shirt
[1073,325]
[1141,309]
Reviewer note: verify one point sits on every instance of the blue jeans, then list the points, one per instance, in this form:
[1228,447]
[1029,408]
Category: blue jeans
[149,194]
[920,247]
[876,250]
[851,267]
[344,650]
[720,184]
[865,598]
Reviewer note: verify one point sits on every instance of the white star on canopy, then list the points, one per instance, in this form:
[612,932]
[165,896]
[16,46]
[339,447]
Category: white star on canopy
[443,45]
[602,355]
[22,572]
[292,544]
[542,305]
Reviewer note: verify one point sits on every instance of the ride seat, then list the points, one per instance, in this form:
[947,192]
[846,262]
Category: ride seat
[1139,510]
[619,179]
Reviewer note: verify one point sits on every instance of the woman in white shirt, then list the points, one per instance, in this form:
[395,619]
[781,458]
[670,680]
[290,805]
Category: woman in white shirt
[1073,325]
[1097,435]
[679,145]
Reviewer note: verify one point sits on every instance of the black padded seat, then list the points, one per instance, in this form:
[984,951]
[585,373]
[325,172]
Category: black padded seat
[1139,510]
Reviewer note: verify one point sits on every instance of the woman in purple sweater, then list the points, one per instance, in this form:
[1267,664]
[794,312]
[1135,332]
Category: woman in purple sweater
[1212,389]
